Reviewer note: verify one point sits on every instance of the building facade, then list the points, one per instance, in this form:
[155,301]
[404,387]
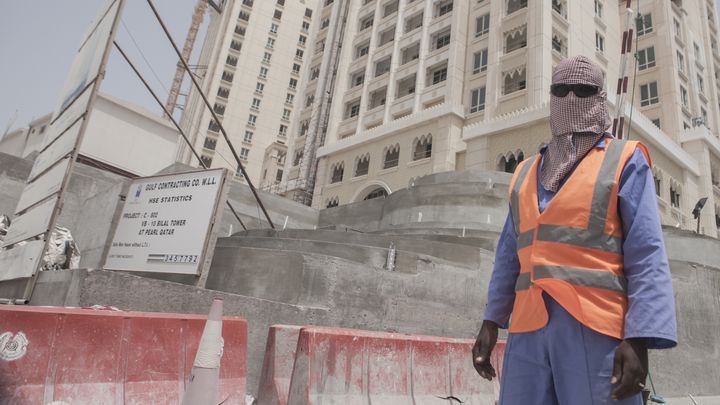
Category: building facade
[425,86]
[252,63]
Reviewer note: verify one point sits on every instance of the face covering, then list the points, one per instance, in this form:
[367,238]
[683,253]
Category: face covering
[577,124]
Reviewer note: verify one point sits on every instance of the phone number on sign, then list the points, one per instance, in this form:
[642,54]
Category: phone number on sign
[180,259]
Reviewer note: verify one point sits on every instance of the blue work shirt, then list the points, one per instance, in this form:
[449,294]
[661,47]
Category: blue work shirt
[651,305]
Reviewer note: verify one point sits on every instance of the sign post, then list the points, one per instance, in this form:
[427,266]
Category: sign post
[41,201]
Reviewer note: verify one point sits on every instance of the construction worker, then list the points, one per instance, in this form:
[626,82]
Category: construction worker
[580,263]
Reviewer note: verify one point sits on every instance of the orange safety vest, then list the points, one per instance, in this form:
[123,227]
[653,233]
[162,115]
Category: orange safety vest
[573,250]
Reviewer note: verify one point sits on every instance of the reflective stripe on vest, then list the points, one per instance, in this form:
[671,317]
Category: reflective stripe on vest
[580,277]
[514,203]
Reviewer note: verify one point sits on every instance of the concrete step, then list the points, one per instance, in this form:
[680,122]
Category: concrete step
[462,254]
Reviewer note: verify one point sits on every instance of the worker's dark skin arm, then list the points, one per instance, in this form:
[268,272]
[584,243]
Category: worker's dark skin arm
[629,368]
[481,351]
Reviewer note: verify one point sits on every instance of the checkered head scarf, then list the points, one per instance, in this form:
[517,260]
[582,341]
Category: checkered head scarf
[577,124]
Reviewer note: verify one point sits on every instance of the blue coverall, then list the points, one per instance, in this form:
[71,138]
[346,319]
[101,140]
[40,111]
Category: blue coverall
[565,362]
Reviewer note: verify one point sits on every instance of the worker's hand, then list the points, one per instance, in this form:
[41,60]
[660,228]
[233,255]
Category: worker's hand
[484,344]
[629,368]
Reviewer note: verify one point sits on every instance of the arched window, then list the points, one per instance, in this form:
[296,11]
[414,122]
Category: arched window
[422,147]
[337,170]
[501,164]
[391,156]
[362,164]
[298,157]
[332,202]
[510,164]
[515,5]
[377,193]
[514,80]
[516,39]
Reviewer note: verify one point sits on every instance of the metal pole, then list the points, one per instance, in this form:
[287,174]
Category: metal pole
[150,90]
[215,117]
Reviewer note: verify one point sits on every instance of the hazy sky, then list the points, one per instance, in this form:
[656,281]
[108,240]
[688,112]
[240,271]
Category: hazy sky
[39,38]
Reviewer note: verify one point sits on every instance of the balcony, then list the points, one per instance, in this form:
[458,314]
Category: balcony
[347,126]
[374,117]
[435,93]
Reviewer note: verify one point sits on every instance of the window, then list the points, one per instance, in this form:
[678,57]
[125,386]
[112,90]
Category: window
[643,24]
[477,100]
[700,83]
[482,25]
[213,126]
[704,115]
[252,119]
[674,197]
[302,39]
[558,6]
[677,29]
[248,3]
[299,54]
[274,28]
[480,61]
[286,114]
[352,109]
[293,84]
[248,137]
[362,165]
[406,86]
[357,78]
[270,43]
[333,202]
[236,45]
[657,181]
[223,92]
[386,36]
[289,98]
[308,13]
[648,94]
[255,104]
[305,26]
[280,2]
[438,74]
[283,130]
[244,152]
[684,97]
[337,171]
[319,46]
[515,5]
[366,22]
[309,100]
[443,8]
[278,175]
[598,8]
[514,81]
[209,143]
[231,60]
[267,57]
[304,127]
[325,23]
[245,16]
[219,109]
[646,58]
[681,62]
[263,72]
[411,53]
[441,39]
[390,8]
[382,66]
[362,50]
[296,68]
[315,73]
[259,87]
[207,160]
[558,45]
[516,39]
[414,22]
[277,15]
[227,76]
[377,98]
[392,156]
[599,42]
[422,147]
[656,121]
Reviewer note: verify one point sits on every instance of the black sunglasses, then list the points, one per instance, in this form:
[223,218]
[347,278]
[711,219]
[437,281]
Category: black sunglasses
[580,90]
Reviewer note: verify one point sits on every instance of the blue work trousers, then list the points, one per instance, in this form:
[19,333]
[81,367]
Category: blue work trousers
[564,363]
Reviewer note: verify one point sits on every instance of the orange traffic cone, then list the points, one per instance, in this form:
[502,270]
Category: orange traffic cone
[204,381]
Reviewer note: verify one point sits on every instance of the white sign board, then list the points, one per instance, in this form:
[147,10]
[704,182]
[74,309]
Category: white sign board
[20,260]
[34,222]
[45,185]
[165,223]
[58,150]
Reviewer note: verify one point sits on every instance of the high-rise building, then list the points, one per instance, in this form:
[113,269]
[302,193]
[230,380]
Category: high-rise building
[251,64]
[422,86]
